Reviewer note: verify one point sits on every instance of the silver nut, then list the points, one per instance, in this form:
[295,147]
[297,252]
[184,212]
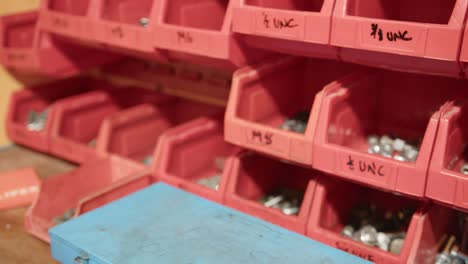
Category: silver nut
[290,210]
[348,231]
[368,235]
[399,144]
[375,149]
[386,140]
[396,245]
[383,241]
[144,21]
[443,259]
[399,157]
[373,140]
[464,169]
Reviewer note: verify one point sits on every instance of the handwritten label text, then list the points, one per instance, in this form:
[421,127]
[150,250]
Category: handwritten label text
[378,33]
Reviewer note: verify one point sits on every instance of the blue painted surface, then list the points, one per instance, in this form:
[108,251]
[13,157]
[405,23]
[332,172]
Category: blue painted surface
[161,224]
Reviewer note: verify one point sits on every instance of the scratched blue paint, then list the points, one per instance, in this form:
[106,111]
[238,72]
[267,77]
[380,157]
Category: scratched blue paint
[161,224]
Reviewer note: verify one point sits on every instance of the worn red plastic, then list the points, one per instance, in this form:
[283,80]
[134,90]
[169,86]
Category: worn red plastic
[67,17]
[418,36]
[262,98]
[64,192]
[333,202]
[464,53]
[76,123]
[445,182]
[187,153]
[25,47]
[40,98]
[297,27]
[252,176]
[134,132]
[18,188]
[200,32]
[381,102]
[194,82]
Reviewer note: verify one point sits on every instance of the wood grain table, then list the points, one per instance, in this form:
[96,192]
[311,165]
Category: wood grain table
[17,246]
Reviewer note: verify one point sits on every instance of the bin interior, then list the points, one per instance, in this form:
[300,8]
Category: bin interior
[202,14]
[299,5]
[127,11]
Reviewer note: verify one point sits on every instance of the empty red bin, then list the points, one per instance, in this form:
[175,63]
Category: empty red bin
[403,105]
[133,133]
[184,29]
[253,176]
[62,195]
[392,34]
[24,47]
[67,17]
[298,27]
[261,100]
[76,124]
[195,157]
[446,181]
[39,99]
[332,210]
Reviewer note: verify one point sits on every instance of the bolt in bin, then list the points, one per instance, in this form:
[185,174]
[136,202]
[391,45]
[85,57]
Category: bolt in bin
[337,204]
[275,191]
[134,132]
[76,124]
[40,99]
[67,17]
[195,157]
[199,83]
[261,102]
[200,32]
[447,181]
[298,27]
[387,104]
[420,36]
[61,194]
[24,47]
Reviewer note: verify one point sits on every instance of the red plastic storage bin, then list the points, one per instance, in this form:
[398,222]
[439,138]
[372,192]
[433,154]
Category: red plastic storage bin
[195,157]
[76,124]
[61,194]
[332,210]
[134,132]
[189,81]
[446,183]
[200,32]
[253,176]
[298,27]
[262,98]
[381,103]
[38,99]
[67,18]
[418,36]
[24,47]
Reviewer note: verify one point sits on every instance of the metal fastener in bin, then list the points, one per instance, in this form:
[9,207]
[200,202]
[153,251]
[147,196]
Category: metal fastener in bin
[287,201]
[297,124]
[36,120]
[393,147]
[213,181]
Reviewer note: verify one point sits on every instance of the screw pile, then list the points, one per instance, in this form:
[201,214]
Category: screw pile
[212,182]
[393,147]
[374,227]
[286,200]
[453,250]
[297,124]
[36,120]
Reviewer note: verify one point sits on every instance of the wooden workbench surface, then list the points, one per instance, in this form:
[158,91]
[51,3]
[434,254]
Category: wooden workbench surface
[17,246]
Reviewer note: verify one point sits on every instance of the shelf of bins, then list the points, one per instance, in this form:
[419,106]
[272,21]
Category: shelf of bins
[204,84]
[38,99]
[363,105]
[252,176]
[446,184]
[331,207]
[174,30]
[67,192]
[413,36]
[295,27]
[195,152]
[25,47]
[260,101]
